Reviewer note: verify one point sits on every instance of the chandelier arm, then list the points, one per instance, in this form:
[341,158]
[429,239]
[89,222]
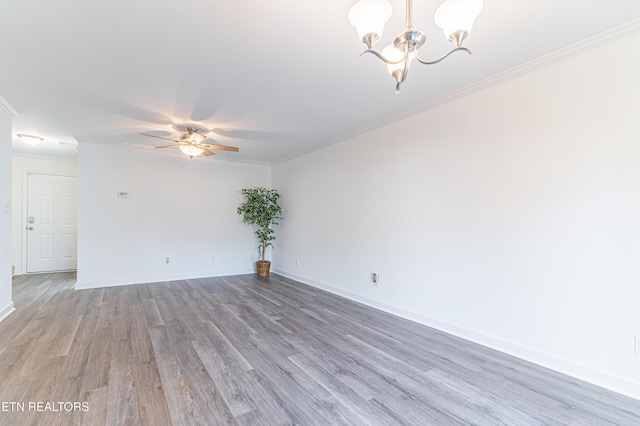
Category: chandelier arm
[383,59]
[407,61]
[405,69]
[444,57]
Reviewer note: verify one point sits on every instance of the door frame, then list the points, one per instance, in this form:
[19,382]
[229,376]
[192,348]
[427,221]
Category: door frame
[25,212]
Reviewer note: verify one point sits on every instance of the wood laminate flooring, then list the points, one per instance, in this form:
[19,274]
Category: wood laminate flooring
[243,350]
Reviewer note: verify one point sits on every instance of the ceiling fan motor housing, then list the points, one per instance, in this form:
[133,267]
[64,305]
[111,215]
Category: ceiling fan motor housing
[192,136]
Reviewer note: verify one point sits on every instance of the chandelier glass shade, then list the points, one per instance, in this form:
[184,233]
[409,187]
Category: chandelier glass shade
[369,17]
[455,17]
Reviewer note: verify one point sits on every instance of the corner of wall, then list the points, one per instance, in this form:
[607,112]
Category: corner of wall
[6,114]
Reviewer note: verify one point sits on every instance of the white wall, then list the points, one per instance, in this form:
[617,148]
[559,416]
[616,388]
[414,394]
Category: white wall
[6,300]
[510,216]
[178,208]
[23,164]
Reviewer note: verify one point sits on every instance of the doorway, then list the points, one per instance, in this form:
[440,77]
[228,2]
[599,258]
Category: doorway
[51,223]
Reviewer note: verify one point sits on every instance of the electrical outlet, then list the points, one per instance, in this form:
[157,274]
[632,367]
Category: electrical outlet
[375,278]
[637,346]
[167,259]
[296,262]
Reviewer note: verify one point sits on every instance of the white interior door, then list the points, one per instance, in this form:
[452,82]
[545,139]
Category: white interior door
[52,228]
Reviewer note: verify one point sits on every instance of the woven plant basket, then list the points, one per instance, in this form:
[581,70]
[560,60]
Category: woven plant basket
[262,268]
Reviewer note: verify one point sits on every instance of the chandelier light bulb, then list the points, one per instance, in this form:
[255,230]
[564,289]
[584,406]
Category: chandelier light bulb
[369,17]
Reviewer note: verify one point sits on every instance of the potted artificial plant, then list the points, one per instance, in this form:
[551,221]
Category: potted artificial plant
[261,210]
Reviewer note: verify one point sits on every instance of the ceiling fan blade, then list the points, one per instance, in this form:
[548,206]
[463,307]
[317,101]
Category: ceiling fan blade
[207,153]
[221,147]
[167,146]
[159,137]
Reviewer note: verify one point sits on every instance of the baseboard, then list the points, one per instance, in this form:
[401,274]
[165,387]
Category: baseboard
[6,311]
[603,379]
[90,284]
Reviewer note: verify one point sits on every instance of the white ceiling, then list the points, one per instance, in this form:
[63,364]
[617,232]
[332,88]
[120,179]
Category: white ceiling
[274,78]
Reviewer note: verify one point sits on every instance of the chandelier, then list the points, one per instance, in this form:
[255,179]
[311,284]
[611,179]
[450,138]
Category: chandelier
[455,17]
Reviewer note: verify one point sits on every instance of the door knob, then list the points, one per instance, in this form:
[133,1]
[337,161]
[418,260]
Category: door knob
[30,228]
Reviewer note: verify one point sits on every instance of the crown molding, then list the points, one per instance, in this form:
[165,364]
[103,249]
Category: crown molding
[610,36]
[7,107]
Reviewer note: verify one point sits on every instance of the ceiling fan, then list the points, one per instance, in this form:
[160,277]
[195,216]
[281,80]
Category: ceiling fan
[192,143]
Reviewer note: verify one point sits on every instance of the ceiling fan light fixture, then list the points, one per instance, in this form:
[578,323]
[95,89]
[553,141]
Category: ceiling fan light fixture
[191,151]
[30,139]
